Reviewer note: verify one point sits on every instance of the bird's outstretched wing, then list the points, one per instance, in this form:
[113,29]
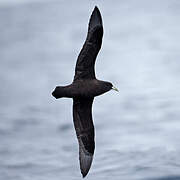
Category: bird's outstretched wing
[87,57]
[83,123]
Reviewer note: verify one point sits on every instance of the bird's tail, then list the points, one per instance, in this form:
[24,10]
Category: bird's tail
[60,91]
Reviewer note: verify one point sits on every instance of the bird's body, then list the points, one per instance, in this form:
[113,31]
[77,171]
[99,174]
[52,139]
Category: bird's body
[83,89]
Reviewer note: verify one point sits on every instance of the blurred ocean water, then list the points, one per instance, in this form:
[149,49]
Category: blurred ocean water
[137,130]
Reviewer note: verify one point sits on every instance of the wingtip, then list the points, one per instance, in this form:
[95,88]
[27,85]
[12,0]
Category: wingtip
[95,19]
[85,164]
[96,9]
[96,12]
[85,159]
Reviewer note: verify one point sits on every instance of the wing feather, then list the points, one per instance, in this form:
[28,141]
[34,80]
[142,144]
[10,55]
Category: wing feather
[83,123]
[87,57]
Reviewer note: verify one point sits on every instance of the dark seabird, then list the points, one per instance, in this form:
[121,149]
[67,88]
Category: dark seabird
[83,89]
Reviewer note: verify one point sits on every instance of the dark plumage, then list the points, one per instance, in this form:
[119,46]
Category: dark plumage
[83,89]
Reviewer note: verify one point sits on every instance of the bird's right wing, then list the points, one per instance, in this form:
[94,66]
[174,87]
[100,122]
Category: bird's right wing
[83,123]
[87,57]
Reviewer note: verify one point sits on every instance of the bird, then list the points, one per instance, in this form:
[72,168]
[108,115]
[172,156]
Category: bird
[84,88]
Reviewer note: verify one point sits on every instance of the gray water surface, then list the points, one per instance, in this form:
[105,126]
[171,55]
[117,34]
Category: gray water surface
[137,130]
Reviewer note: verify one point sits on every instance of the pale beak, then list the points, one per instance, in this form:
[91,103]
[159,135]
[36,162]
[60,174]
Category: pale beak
[114,88]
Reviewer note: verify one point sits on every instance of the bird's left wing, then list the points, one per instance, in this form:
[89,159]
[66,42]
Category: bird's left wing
[87,57]
[83,123]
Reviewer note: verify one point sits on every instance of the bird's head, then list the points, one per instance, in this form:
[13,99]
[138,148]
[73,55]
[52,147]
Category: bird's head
[109,86]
